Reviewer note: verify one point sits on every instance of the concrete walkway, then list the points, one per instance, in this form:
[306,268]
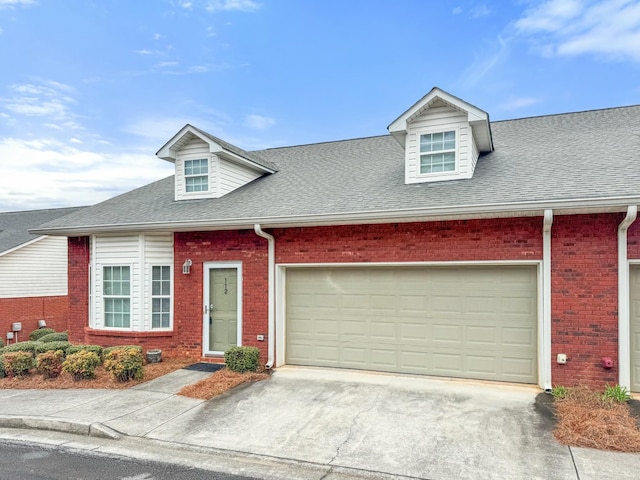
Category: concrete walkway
[318,423]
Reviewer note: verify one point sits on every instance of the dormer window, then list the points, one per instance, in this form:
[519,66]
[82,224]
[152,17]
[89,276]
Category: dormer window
[438,152]
[196,175]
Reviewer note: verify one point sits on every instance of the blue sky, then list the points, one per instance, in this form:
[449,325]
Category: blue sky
[90,90]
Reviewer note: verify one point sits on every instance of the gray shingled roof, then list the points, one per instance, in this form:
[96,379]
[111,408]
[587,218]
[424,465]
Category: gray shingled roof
[587,157]
[15,226]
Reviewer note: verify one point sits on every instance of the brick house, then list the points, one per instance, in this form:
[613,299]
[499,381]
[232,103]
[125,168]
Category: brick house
[454,246]
[33,273]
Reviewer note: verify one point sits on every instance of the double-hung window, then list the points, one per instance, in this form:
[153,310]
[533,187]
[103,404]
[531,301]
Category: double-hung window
[438,152]
[116,292]
[196,175]
[160,296]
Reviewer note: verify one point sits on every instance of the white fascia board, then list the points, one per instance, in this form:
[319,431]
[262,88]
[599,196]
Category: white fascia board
[169,153]
[464,212]
[22,245]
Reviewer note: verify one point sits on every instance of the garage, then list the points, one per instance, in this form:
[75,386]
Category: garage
[476,322]
[634,319]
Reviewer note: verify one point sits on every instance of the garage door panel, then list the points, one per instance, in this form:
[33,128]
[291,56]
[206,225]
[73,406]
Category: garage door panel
[472,322]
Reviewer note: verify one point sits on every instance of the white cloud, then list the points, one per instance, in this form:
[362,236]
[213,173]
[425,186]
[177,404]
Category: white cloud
[186,5]
[230,5]
[1,31]
[609,28]
[479,11]
[46,173]
[258,122]
[166,64]
[488,58]
[12,3]
[46,99]
[143,52]
[518,103]
[457,10]
[157,36]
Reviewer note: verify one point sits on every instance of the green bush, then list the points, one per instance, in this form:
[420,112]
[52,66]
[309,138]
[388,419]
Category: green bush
[49,364]
[616,394]
[2,374]
[81,365]
[106,351]
[124,363]
[55,337]
[242,359]
[1,343]
[28,346]
[97,349]
[17,364]
[52,347]
[39,333]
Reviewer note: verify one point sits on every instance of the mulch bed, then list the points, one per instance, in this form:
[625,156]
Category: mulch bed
[583,419]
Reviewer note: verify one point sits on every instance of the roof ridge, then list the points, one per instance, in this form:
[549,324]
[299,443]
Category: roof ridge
[578,112]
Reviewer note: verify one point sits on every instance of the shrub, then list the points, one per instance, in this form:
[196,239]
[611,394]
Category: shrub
[124,364]
[97,349]
[81,365]
[55,337]
[106,351]
[39,333]
[2,374]
[52,347]
[17,364]
[1,343]
[616,394]
[49,364]
[28,346]
[559,392]
[242,359]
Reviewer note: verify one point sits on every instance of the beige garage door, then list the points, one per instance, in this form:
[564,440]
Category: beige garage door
[469,322]
[634,294]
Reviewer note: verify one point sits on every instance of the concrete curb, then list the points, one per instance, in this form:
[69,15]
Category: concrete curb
[59,425]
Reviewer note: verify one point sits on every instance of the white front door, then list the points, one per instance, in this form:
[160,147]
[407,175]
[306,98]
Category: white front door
[223,307]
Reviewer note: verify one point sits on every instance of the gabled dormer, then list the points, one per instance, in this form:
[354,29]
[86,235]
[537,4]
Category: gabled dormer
[443,137]
[208,167]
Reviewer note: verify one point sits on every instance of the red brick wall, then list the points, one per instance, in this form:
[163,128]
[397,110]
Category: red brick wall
[78,253]
[584,271]
[29,310]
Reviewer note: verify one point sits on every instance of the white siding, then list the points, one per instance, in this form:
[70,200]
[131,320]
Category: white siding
[234,176]
[38,269]
[195,149]
[138,252]
[440,119]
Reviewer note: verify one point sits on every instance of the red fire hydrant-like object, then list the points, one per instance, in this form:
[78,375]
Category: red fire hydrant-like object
[607,362]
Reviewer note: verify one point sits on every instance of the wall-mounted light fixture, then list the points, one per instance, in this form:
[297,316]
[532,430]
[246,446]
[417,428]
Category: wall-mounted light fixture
[186,266]
[42,323]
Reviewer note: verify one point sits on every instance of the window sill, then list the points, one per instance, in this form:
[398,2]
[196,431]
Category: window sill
[126,333]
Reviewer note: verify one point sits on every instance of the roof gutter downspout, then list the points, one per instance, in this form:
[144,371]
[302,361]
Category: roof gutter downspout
[271,241]
[624,331]
[545,360]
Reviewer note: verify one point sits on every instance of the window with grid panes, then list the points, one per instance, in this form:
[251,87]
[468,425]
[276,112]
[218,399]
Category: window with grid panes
[438,152]
[196,175]
[160,296]
[116,293]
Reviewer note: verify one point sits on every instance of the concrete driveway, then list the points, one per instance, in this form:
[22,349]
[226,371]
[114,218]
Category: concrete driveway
[401,425]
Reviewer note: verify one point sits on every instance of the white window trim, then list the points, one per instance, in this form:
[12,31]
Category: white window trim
[103,297]
[152,296]
[210,187]
[456,150]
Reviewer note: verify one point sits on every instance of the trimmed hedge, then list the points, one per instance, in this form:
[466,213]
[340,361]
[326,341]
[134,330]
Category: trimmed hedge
[52,347]
[81,365]
[2,374]
[106,351]
[1,343]
[97,349]
[28,346]
[124,364]
[40,332]
[49,364]
[55,337]
[242,359]
[17,364]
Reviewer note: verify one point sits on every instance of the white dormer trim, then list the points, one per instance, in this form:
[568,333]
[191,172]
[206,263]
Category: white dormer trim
[478,119]
[227,167]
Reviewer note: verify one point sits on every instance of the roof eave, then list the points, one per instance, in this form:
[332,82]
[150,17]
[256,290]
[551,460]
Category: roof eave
[497,210]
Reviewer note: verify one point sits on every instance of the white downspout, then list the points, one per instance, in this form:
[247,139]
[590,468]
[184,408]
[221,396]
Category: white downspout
[624,331]
[272,291]
[545,360]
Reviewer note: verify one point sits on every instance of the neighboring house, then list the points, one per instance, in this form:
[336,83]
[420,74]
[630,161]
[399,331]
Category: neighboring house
[33,273]
[454,246]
